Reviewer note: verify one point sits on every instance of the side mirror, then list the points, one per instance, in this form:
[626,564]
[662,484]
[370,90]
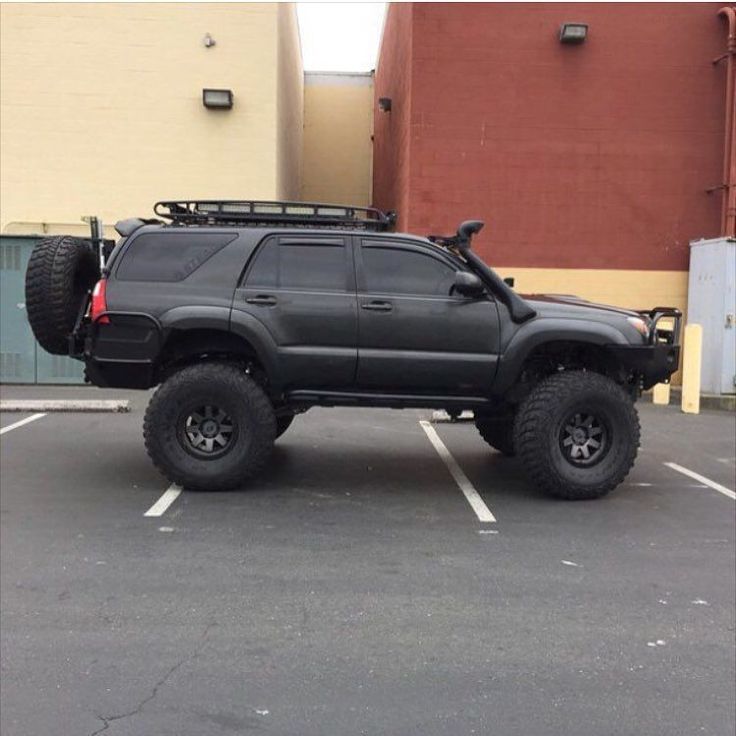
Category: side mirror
[468,284]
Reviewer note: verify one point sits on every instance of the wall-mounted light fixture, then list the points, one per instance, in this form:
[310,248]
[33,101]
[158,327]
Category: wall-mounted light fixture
[384,104]
[217,99]
[573,32]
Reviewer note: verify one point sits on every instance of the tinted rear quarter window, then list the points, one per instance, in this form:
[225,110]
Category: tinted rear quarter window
[169,256]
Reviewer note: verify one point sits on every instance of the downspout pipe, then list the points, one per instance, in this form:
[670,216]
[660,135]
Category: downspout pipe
[728,212]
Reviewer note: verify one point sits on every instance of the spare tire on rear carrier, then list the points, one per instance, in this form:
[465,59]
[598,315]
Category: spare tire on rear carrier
[60,273]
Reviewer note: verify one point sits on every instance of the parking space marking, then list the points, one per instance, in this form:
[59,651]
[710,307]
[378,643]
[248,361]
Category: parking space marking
[476,502]
[170,495]
[20,423]
[702,479]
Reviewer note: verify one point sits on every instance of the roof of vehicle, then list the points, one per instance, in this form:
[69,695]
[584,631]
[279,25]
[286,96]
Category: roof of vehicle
[260,218]
[261,231]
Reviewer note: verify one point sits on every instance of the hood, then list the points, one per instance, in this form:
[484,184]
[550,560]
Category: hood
[574,307]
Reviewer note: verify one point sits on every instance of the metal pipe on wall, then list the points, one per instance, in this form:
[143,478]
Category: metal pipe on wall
[728,213]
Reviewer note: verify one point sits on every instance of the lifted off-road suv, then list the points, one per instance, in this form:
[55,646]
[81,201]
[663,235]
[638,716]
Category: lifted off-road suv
[245,314]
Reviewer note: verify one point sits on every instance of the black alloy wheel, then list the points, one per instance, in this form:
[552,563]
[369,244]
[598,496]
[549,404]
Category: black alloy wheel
[207,431]
[209,427]
[584,439]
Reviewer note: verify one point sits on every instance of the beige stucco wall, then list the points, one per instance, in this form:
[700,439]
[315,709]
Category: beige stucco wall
[290,104]
[102,113]
[338,151]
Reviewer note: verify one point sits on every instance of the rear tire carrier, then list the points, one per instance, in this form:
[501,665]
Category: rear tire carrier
[61,271]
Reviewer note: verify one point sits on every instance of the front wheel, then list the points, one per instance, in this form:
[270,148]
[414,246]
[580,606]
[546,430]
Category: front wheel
[209,427]
[577,435]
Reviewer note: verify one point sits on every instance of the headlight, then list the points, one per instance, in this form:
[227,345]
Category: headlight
[639,325]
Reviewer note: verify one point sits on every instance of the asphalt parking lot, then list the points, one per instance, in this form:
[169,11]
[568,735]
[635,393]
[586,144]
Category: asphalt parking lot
[353,588]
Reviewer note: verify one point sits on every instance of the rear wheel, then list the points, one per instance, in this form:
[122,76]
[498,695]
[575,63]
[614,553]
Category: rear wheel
[283,423]
[498,432]
[209,427]
[577,435]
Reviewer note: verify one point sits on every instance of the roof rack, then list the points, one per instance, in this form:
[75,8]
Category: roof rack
[253,212]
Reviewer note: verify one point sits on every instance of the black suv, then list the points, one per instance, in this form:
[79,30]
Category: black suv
[246,314]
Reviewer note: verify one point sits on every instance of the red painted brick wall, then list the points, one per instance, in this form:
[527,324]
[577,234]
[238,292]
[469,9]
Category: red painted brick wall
[391,130]
[589,156]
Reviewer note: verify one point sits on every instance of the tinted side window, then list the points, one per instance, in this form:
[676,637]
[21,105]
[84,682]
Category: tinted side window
[399,271]
[169,256]
[300,266]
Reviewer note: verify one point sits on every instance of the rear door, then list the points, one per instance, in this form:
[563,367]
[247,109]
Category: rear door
[414,334]
[302,289]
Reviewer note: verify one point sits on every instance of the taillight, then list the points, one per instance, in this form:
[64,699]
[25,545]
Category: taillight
[99,303]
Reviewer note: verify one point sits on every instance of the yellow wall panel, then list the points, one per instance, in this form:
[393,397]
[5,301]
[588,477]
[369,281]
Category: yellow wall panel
[338,151]
[620,288]
[290,105]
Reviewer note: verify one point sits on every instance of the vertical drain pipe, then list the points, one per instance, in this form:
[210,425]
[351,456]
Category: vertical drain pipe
[728,213]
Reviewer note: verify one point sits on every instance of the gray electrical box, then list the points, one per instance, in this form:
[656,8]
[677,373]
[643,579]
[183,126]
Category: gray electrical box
[711,302]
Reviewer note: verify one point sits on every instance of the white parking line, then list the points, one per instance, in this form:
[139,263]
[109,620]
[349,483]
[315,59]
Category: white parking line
[20,423]
[170,495]
[702,479]
[476,502]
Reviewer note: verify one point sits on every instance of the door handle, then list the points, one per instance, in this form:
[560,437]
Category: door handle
[264,300]
[377,306]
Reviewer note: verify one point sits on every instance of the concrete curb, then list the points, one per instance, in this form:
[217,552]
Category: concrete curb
[69,405]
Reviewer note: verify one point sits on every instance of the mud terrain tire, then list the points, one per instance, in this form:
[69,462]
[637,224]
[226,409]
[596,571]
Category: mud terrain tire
[60,272]
[209,427]
[577,435]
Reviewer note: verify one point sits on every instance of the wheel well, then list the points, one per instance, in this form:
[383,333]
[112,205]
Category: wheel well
[565,355]
[551,357]
[184,347]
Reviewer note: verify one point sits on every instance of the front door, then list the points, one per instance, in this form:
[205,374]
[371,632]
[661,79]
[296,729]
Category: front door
[414,334]
[302,289]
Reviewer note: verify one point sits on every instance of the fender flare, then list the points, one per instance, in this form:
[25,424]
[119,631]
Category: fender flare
[249,328]
[231,321]
[538,332]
